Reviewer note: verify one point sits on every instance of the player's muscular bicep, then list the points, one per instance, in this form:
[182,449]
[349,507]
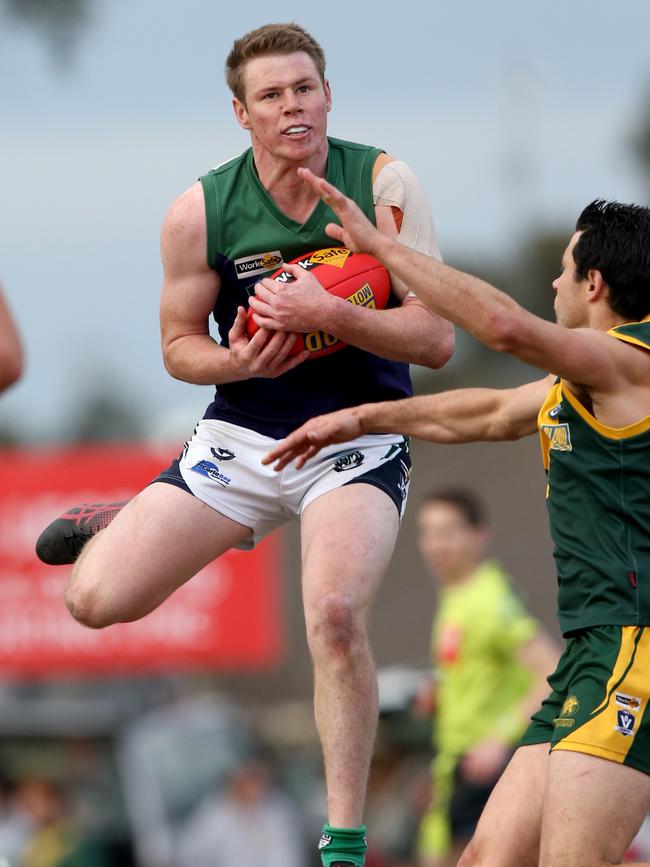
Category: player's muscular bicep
[190,286]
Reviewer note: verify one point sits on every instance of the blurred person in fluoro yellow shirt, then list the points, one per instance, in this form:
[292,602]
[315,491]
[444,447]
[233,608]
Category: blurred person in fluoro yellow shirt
[491,659]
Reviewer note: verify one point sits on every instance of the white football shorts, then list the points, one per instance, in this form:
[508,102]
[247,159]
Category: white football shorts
[222,465]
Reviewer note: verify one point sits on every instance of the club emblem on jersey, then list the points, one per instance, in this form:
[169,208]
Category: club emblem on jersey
[211,471]
[348,461]
[625,722]
[559,436]
[249,266]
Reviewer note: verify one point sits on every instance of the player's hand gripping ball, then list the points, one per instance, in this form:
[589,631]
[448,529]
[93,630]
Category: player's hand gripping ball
[356,277]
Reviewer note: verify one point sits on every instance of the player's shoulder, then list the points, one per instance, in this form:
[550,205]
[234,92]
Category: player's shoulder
[185,217]
[227,167]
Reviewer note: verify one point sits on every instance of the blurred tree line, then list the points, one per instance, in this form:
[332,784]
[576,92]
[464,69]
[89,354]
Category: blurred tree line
[58,22]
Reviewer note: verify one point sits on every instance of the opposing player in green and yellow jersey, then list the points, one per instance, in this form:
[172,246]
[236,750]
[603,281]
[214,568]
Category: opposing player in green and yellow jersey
[582,801]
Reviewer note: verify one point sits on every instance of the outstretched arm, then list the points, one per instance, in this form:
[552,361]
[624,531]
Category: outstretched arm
[584,356]
[463,415]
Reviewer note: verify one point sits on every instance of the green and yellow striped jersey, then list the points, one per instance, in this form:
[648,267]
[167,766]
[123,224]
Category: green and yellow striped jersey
[598,499]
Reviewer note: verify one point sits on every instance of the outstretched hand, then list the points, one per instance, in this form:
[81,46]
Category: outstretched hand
[356,231]
[308,440]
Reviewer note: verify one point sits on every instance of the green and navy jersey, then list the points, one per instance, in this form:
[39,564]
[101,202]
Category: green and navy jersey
[598,499]
[479,629]
[248,238]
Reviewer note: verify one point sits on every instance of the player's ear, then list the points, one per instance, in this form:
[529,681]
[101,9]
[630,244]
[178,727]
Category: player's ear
[240,113]
[596,285]
[328,94]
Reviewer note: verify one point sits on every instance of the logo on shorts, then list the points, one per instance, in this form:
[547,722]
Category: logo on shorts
[404,479]
[211,471]
[249,266]
[631,702]
[222,454]
[625,722]
[348,461]
[324,841]
[570,706]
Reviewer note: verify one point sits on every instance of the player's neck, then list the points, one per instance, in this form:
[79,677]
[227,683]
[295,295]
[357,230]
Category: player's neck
[280,180]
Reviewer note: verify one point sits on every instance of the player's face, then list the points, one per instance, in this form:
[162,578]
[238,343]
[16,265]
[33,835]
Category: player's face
[286,106]
[570,309]
[450,547]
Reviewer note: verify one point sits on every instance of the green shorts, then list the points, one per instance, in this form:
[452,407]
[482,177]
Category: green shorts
[599,699]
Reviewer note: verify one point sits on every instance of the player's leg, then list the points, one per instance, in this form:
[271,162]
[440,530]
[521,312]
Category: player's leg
[593,809]
[508,831]
[348,536]
[159,540]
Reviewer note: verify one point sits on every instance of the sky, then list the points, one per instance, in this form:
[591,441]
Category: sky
[514,115]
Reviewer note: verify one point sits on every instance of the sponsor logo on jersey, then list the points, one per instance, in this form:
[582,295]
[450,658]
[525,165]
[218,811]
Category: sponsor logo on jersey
[222,454]
[626,722]
[363,297]
[631,702]
[211,471]
[324,841]
[559,436]
[348,461]
[249,266]
[336,256]
[562,722]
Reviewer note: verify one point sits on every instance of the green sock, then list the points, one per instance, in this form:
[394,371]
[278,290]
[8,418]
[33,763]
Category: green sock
[343,844]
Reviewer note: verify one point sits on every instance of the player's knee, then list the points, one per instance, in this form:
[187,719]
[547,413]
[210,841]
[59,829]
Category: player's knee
[334,626]
[86,605]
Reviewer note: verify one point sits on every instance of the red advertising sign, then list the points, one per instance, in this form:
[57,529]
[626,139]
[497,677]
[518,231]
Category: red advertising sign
[227,617]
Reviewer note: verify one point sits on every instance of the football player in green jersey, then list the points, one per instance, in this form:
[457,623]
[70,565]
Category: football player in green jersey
[219,237]
[490,659]
[582,802]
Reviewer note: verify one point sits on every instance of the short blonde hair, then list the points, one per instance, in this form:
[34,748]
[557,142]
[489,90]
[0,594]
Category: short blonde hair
[270,39]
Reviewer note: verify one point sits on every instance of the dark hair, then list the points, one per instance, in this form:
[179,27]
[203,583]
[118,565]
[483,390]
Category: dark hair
[270,39]
[615,240]
[465,501]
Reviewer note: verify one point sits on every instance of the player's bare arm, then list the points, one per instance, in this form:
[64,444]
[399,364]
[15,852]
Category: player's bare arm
[587,357]
[190,290]
[459,416]
[409,333]
[11,353]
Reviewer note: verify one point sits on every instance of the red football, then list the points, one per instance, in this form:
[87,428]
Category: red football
[357,277]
